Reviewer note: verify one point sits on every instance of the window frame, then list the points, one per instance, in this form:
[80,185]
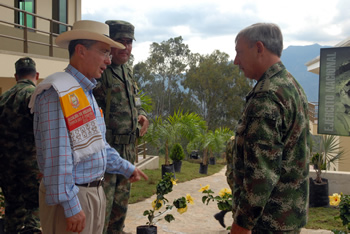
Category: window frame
[19,16]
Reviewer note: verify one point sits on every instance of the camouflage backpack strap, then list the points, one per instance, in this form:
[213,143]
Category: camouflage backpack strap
[109,77]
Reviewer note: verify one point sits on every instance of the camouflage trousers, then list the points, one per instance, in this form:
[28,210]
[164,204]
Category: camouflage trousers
[20,185]
[117,190]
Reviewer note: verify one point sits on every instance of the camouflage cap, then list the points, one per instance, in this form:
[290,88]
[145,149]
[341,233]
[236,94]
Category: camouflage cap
[119,29]
[25,63]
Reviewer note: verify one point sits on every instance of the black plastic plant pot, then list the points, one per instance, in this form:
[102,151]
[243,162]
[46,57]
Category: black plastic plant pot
[146,229]
[168,169]
[318,196]
[177,166]
[203,169]
[212,160]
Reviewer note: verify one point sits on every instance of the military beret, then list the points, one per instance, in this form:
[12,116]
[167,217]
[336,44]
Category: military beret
[119,29]
[25,63]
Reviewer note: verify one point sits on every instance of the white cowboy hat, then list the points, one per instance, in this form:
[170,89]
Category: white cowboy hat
[90,30]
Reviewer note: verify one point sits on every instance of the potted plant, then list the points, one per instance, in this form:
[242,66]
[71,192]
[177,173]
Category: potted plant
[212,158]
[328,152]
[213,141]
[199,142]
[177,155]
[175,128]
[164,186]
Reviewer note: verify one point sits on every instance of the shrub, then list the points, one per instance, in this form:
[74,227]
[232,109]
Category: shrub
[177,153]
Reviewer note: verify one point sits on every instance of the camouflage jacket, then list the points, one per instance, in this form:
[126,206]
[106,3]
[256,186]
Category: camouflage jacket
[16,121]
[229,157]
[270,165]
[125,105]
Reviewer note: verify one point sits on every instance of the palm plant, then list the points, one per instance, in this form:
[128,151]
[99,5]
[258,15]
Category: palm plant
[153,133]
[329,152]
[175,128]
[146,101]
[180,126]
[211,141]
[216,140]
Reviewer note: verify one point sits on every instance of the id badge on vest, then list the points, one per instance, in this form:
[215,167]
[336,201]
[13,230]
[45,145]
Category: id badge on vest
[137,101]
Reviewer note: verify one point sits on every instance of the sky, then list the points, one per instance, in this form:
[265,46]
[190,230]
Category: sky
[208,25]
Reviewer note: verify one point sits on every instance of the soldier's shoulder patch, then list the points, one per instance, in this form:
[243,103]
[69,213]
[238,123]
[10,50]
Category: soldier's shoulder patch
[262,86]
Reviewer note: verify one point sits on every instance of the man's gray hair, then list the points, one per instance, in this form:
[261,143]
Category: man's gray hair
[73,43]
[268,33]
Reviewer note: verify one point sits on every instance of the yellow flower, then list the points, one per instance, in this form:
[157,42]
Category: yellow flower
[204,188]
[224,191]
[189,199]
[173,181]
[154,204]
[182,210]
[334,200]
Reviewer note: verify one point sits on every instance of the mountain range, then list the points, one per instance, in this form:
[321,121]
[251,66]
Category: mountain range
[294,58]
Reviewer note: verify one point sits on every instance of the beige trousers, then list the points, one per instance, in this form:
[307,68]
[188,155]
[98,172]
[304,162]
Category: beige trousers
[93,203]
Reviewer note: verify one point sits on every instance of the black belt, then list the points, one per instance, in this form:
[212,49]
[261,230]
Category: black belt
[95,183]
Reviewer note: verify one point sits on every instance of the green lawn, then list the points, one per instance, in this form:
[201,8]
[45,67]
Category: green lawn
[145,189]
[319,218]
[323,218]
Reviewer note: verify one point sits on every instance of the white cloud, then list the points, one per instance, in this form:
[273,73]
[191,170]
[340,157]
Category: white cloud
[206,25]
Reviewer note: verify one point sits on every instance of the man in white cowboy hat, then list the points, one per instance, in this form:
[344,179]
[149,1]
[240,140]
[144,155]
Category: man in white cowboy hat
[69,130]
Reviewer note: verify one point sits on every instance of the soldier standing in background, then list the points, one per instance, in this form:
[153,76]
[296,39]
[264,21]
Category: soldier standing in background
[270,158]
[117,95]
[19,178]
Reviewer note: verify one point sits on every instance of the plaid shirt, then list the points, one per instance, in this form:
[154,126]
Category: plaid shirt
[54,152]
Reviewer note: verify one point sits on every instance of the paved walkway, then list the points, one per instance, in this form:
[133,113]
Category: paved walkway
[199,217]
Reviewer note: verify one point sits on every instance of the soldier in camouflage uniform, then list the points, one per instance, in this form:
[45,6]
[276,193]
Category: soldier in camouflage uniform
[117,95]
[270,167]
[19,178]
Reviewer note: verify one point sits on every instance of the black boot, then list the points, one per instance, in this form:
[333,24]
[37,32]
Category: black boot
[220,217]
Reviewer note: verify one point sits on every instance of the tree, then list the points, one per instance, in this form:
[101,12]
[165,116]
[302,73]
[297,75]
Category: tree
[160,75]
[218,88]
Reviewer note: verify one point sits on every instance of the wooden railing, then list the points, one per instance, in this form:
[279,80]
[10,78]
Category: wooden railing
[140,149]
[25,28]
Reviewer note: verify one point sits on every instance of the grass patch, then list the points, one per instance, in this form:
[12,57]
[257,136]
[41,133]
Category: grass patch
[142,189]
[323,218]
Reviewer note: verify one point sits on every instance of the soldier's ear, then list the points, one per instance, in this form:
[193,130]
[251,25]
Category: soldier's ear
[260,46]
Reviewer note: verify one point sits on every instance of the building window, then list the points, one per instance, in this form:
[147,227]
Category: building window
[59,13]
[29,6]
